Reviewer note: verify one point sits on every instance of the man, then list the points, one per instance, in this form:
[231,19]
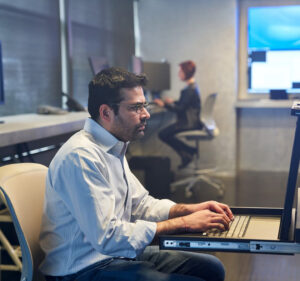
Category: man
[98,218]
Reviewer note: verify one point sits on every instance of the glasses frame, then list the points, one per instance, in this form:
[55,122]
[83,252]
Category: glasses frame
[137,107]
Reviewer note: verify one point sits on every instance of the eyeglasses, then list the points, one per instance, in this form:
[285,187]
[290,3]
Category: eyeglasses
[137,107]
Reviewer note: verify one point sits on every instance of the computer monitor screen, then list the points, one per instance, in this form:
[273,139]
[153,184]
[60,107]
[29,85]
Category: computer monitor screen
[158,74]
[1,78]
[97,64]
[273,49]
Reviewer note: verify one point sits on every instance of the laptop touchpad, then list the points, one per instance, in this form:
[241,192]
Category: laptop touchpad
[263,228]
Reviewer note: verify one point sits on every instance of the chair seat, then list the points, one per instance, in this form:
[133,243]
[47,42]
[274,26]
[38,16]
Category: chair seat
[198,134]
[193,133]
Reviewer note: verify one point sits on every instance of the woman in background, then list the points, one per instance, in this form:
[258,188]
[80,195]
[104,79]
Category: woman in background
[187,109]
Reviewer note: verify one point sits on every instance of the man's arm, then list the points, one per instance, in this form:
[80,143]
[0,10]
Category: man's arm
[196,218]
[180,210]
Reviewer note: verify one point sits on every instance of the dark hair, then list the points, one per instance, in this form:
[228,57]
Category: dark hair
[106,85]
[189,68]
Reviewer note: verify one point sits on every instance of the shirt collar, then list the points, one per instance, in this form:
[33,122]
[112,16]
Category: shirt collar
[104,138]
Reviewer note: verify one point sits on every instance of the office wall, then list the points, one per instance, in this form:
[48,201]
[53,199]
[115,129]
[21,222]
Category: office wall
[206,32]
[29,32]
[265,138]
[30,36]
[99,29]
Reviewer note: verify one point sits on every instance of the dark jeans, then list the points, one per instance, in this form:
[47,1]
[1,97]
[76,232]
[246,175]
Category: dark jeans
[168,136]
[153,265]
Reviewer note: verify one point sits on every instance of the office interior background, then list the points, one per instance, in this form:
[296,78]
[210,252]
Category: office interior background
[45,52]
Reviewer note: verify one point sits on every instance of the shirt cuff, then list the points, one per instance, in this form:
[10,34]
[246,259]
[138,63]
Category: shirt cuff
[144,234]
[163,213]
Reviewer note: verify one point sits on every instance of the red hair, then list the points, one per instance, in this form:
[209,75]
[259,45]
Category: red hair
[189,68]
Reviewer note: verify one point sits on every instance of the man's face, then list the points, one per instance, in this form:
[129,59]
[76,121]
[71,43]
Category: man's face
[130,122]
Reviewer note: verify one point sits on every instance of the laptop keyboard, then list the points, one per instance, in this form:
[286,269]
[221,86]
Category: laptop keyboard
[237,229]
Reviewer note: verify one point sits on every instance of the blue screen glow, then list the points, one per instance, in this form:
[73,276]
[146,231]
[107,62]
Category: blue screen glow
[274,28]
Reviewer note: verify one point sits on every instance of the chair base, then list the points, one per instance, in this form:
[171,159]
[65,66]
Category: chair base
[198,176]
[14,252]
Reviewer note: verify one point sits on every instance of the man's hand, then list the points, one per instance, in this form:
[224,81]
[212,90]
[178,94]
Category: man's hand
[159,102]
[201,221]
[198,221]
[196,218]
[168,100]
[214,206]
[180,210]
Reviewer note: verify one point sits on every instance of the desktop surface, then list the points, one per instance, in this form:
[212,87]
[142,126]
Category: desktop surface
[29,127]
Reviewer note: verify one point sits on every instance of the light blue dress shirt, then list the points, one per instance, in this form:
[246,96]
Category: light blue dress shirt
[95,208]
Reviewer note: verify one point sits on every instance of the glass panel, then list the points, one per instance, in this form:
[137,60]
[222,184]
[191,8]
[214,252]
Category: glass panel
[29,32]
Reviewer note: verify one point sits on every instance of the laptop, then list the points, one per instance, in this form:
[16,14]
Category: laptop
[268,230]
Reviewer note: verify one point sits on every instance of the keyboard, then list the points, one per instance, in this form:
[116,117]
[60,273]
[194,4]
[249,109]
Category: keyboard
[237,229]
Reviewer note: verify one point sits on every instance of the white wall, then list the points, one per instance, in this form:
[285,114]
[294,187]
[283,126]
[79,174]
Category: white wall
[265,137]
[206,32]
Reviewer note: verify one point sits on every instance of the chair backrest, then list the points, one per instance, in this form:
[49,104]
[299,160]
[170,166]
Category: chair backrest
[207,115]
[23,187]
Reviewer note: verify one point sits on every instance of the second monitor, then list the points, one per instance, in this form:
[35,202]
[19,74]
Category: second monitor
[158,73]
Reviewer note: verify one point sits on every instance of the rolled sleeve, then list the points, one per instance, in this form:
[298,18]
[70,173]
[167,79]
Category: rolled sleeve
[163,209]
[146,207]
[144,234]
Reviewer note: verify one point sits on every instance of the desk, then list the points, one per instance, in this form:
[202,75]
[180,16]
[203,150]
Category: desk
[264,103]
[28,127]
[265,130]
[37,130]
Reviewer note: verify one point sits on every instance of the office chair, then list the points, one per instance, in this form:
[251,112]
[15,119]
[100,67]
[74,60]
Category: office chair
[209,132]
[22,188]
[14,251]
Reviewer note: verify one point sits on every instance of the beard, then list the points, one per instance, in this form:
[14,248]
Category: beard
[139,131]
[126,132]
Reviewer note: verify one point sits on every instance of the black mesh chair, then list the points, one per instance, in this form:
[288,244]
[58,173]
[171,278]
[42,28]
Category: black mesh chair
[209,132]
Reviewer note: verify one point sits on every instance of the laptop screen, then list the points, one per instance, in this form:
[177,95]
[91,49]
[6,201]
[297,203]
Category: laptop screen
[292,179]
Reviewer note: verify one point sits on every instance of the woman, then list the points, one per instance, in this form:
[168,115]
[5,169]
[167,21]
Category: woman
[187,109]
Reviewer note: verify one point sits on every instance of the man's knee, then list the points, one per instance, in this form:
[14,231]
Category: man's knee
[216,268]
[205,266]
[213,269]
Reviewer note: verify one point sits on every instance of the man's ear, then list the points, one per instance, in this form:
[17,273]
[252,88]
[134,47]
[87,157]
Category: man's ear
[105,112]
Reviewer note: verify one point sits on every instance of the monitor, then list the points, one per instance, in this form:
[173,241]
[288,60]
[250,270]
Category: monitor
[1,78]
[273,49]
[158,74]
